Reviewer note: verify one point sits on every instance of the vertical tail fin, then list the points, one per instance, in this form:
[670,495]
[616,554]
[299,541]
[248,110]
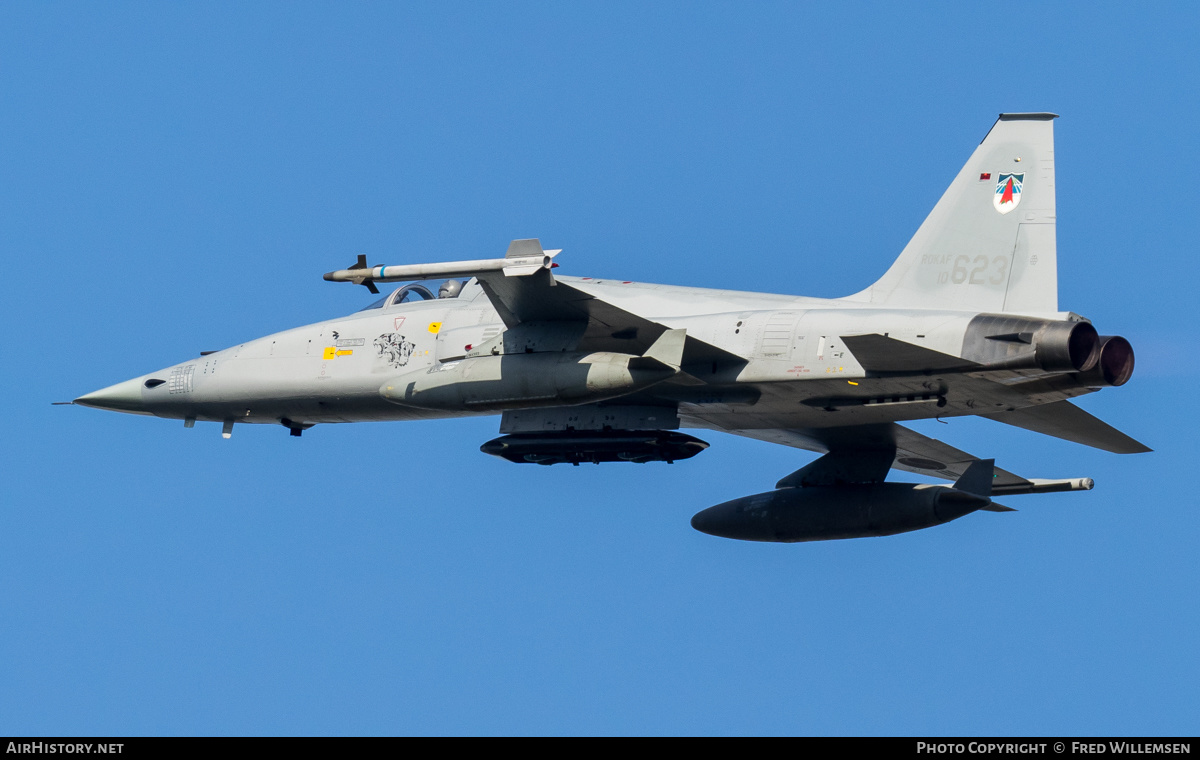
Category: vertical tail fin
[989,243]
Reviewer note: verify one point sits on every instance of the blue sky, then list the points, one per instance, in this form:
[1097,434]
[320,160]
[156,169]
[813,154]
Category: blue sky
[176,178]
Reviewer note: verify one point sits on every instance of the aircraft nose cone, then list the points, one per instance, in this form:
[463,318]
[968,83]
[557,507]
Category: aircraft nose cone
[714,521]
[122,397]
[701,522]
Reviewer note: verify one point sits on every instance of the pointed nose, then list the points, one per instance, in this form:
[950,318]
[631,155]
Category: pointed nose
[122,397]
[724,521]
[706,522]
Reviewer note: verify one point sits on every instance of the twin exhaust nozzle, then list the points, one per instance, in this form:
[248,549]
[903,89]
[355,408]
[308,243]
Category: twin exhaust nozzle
[1058,346]
[1106,359]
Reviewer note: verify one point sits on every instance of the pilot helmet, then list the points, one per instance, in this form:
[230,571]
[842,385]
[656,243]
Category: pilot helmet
[450,289]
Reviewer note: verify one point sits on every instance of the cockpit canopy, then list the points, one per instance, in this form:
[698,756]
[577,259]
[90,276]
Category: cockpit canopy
[414,292]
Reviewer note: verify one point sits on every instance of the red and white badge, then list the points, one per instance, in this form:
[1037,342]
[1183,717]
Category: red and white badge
[1008,192]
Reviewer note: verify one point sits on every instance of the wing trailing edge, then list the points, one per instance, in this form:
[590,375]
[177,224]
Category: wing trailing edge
[1064,420]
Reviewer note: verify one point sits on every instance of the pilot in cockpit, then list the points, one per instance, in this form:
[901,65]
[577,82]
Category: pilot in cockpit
[415,292]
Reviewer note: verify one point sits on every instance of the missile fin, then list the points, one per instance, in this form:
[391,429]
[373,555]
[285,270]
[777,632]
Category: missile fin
[994,507]
[977,479]
[666,351]
[519,249]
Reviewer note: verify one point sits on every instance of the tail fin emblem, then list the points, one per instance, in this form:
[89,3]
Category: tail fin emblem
[1008,192]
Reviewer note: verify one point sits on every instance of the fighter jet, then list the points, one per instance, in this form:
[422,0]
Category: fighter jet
[965,322]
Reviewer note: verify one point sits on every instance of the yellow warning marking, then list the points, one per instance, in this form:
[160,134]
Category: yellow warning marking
[852,382]
[434,327]
[333,352]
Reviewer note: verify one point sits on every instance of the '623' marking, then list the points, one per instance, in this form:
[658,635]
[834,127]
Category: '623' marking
[976,271]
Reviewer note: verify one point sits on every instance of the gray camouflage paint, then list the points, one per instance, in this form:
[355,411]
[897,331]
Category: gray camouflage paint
[968,272]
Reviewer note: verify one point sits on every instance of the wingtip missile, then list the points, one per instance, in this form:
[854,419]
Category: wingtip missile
[524,257]
[358,273]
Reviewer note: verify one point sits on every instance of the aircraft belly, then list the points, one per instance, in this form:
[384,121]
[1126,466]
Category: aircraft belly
[300,388]
[819,403]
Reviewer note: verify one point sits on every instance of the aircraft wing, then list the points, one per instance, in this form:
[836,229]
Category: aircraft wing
[864,453]
[539,299]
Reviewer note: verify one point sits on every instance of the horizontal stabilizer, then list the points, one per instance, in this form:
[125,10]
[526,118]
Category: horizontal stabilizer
[879,353]
[1062,419]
